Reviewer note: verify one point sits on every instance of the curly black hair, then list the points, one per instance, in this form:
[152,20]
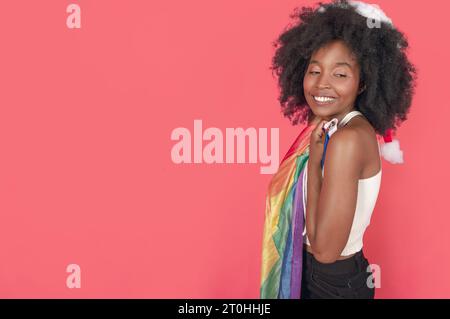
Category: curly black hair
[387,74]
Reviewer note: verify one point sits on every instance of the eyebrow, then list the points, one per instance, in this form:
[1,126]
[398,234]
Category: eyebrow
[338,63]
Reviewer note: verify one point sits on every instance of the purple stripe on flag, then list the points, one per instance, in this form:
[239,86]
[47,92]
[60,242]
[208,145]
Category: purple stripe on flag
[297,254]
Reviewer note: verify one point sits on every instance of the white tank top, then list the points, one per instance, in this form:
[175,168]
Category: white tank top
[368,189]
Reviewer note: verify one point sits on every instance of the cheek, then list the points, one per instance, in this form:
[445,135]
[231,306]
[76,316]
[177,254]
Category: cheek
[346,89]
[307,84]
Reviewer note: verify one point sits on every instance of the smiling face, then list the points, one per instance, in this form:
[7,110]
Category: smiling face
[331,81]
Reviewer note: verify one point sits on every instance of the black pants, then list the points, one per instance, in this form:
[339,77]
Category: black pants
[342,279]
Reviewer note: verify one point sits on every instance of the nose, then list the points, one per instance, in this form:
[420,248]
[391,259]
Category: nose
[322,83]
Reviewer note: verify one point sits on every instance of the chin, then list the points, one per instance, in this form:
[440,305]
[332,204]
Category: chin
[322,112]
[325,112]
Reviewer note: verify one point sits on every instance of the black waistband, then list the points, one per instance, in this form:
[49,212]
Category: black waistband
[355,263]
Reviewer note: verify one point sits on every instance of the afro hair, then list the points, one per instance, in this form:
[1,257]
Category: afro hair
[387,74]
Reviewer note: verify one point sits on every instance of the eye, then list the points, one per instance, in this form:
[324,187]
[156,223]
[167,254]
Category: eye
[314,72]
[340,75]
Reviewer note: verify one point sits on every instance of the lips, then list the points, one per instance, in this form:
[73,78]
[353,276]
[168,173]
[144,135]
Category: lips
[322,99]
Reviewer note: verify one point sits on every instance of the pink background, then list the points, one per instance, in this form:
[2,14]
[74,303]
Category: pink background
[86,175]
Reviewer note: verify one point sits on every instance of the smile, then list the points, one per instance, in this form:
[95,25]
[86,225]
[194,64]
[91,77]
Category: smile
[324,99]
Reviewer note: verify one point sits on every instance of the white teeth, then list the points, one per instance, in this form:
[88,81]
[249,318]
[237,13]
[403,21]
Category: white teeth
[324,99]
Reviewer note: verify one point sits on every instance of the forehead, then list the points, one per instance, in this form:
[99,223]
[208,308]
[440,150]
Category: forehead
[334,51]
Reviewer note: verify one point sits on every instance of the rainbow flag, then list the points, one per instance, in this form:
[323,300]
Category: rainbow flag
[282,251]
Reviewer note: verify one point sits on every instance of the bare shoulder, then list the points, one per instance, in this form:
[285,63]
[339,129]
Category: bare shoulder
[356,133]
[345,137]
[358,138]
[344,151]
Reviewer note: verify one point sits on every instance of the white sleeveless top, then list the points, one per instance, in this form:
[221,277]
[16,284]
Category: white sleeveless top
[368,189]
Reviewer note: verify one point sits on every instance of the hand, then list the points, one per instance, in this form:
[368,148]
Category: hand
[316,144]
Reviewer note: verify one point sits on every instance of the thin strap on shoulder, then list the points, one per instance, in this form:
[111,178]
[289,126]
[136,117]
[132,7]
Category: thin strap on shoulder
[348,117]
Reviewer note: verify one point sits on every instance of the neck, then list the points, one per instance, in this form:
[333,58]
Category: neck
[340,116]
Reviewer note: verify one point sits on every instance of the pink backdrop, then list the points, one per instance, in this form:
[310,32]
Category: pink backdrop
[86,174]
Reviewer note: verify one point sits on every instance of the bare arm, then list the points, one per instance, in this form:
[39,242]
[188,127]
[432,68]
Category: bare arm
[332,201]
[313,193]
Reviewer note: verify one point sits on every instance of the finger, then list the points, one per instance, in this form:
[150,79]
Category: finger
[319,125]
[319,128]
[319,131]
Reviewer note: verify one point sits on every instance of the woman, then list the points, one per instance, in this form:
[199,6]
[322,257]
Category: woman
[343,69]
